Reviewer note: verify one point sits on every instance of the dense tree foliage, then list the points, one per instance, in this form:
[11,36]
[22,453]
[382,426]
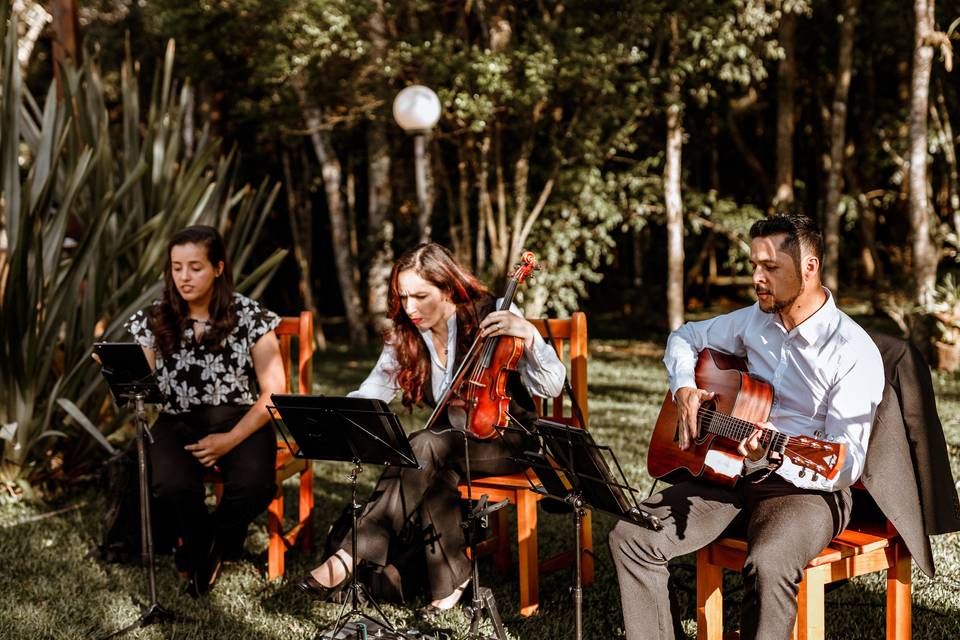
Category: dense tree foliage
[554,134]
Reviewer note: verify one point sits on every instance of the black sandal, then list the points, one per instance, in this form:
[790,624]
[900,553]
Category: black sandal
[429,611]
[312,587]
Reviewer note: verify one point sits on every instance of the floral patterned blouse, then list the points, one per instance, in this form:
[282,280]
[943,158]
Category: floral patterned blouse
[196,375]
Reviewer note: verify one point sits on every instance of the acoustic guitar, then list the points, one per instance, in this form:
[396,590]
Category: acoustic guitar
[741,401]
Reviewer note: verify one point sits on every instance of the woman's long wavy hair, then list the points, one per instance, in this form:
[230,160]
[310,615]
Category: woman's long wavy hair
[169,319]
[434,264]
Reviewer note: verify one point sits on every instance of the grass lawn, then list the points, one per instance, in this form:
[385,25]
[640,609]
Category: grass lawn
[51,590]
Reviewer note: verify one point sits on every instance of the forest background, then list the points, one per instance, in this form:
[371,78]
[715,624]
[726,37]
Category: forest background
[629,144]
[570,128]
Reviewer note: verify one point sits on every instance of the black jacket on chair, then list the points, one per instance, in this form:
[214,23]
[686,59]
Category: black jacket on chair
[907,471]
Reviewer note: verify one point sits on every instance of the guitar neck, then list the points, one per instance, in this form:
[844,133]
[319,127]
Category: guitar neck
[727,426]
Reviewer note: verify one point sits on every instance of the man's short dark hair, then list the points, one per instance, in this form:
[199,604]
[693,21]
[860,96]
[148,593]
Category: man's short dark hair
[801,232]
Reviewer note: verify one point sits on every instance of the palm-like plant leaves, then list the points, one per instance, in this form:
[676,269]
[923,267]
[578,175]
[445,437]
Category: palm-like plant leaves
[127,186]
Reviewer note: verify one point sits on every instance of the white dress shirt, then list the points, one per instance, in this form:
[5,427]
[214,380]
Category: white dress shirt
[826,373]
[540,369]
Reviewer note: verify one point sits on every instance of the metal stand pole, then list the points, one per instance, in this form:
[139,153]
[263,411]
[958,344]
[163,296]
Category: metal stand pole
[154,613]
[483,600]
[576,502]
[356,588]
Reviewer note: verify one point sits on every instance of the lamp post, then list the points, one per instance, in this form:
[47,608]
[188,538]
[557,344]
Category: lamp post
[417,109]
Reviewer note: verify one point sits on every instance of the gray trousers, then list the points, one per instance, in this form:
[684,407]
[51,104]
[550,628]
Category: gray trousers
[786,527]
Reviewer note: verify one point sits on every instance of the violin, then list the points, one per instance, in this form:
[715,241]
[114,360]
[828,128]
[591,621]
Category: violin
[477,398]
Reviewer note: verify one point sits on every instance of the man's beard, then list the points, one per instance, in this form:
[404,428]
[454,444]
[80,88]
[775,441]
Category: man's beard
[780,305]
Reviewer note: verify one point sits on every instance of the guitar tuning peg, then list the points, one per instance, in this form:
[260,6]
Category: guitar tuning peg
[814,477]
[802,473]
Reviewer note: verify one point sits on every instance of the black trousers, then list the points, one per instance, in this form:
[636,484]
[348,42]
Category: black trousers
[248,472]
[432,493]
[786,527]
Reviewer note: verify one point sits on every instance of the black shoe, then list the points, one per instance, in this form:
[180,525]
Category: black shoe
[312,587]
[202,579]
[429,611]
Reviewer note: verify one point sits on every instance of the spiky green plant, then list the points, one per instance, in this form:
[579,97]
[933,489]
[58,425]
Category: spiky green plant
[121,185]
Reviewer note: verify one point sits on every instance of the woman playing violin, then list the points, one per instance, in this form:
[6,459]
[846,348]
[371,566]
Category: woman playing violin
[438,308]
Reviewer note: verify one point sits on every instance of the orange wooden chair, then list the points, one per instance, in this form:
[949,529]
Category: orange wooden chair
[861,548]
[301,531]
[572,334]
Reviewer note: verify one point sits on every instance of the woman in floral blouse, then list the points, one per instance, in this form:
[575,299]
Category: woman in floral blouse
[218,360]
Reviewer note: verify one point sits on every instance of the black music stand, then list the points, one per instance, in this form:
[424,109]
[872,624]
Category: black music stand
[131,380]
[573,469]
[357,430]
[483,599]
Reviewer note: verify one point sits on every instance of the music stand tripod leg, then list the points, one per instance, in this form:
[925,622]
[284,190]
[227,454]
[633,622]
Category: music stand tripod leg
[576,501]
[483,599]
[154,612]
[354,589]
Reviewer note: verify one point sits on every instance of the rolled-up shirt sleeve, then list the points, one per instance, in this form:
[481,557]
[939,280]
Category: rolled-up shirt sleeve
[721,333]
[381,383]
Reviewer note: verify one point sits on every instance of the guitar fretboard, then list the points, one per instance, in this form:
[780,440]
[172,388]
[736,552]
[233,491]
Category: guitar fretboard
[733,428]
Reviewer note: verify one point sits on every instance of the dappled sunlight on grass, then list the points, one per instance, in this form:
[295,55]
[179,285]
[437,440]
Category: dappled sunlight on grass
[51,590]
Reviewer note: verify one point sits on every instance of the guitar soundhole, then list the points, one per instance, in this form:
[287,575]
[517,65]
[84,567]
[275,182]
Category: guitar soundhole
[707,410]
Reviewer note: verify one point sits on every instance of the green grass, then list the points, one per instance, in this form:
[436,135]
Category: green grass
[51,590]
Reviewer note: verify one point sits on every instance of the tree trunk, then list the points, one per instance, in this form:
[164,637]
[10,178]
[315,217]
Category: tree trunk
[952,200]
[486,228]
[499,251]
[332,174]
[746,152]
[424,180]
[523,221]
[924,255]
[786,88]
[380,225]
[379,195]
[838,128]
[66,37]
[463,204]
[671,193]
[301,228]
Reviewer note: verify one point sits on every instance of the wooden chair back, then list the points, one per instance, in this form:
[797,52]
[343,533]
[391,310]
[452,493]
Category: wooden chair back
[301,328]
[569,338]
[300,377]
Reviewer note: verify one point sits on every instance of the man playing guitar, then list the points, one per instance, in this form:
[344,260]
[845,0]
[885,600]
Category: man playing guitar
[828,380]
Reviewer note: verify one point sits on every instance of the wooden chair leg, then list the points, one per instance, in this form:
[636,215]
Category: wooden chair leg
[501,553]
[586,546]
[899,581]
[709,598]
[527,553]
[276,548]
[810,600]
[306,509]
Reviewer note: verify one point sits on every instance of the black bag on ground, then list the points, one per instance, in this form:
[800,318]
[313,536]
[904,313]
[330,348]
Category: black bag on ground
[121,519]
